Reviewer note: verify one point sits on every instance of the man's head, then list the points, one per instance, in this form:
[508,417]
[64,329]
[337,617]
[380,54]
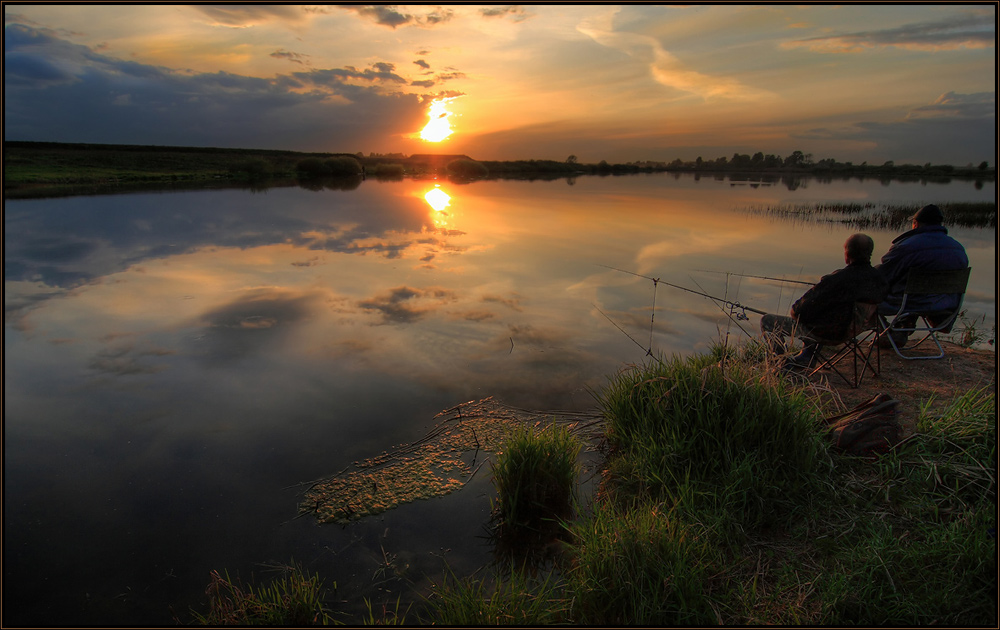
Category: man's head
[858,248]
[928,215]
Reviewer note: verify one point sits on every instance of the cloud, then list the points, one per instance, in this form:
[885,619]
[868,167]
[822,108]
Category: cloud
[392,16]
[981,105]
[294,57]
[514,12]
[255,319]
[513,303]
[127,360]
[423,64]
[405,305]
[248,15]
[953,129]
[59,91]
[666,68]
[964,31]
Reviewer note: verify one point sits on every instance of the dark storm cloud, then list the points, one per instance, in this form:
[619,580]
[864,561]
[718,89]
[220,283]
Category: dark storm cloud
[973,31]
[59,91]
[405,305]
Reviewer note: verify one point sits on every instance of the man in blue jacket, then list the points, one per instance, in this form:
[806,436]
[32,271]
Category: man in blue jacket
[826,311]
[926,246]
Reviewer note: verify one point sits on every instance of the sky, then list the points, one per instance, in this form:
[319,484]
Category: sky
[911,83]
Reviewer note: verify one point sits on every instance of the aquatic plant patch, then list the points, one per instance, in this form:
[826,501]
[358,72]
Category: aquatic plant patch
[441,462]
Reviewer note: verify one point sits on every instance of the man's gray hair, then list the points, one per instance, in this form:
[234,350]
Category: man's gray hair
[859,247]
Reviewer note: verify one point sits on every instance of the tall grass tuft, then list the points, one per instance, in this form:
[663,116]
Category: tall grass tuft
[294,599]
[535,478]
[703,438]
[643,566]
[514,600]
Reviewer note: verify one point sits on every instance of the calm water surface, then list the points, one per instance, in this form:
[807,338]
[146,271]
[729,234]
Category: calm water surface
[175,363]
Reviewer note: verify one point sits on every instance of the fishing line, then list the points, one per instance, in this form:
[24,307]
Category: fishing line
[747,275]
[730,314]
[731,303]
[649,351]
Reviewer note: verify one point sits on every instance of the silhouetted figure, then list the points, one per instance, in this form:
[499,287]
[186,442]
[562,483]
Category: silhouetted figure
[827,309]
[927,246]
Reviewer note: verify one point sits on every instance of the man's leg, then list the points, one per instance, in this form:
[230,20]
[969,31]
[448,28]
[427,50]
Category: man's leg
[775,328]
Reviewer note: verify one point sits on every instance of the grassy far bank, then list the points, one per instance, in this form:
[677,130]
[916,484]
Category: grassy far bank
[64,168]
[721,502]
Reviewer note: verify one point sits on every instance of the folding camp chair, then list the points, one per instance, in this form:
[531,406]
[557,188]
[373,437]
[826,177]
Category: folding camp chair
[923,282]
[858,343]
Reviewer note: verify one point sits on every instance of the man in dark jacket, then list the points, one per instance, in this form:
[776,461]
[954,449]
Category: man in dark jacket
[926,246]
[826,310]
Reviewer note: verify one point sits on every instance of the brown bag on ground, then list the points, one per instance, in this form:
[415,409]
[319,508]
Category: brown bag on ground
[868,429]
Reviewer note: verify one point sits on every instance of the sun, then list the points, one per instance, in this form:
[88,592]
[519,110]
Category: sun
[438,128]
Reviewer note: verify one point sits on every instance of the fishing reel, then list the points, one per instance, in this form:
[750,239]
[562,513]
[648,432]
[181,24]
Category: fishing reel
[740,316]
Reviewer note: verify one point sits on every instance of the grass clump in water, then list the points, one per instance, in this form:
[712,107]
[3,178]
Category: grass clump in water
[535,478]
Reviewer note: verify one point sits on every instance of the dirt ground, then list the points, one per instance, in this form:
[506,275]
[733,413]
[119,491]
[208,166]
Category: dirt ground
[915,382]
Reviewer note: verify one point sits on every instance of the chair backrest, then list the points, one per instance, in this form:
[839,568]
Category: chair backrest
[924,282]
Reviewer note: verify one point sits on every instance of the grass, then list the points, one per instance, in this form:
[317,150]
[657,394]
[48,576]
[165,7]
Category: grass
[535,477]
[293,599]
[722,504]
[705,438]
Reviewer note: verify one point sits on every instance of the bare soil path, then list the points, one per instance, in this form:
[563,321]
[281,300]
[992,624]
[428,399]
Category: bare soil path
[913,383]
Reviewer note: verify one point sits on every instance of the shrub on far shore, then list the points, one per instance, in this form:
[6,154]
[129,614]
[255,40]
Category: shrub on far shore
[467,168]
[252,168]
[335,166]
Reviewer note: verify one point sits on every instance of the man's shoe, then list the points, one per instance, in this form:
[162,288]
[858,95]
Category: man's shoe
[899,337]
[803,360]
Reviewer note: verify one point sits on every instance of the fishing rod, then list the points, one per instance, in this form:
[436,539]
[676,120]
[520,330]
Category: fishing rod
[746,275]
[732,305]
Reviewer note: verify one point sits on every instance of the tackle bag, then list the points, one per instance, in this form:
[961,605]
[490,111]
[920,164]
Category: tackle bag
[868,429]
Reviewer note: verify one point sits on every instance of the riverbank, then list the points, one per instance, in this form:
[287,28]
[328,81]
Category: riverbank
[905,538]
[54,169]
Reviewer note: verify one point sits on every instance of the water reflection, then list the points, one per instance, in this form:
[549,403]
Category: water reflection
[174,361]
[438,201]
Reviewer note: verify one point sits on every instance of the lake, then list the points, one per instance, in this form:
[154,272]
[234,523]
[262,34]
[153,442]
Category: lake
[177,364]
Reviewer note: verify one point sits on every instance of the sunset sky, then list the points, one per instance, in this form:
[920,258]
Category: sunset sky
[909,83]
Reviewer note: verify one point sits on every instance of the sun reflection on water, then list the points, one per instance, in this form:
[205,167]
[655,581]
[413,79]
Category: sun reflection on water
[438,200]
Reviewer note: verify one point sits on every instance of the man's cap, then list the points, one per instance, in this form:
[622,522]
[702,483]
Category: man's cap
[930,215]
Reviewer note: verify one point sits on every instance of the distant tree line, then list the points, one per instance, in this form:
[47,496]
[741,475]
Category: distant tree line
[801,162]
